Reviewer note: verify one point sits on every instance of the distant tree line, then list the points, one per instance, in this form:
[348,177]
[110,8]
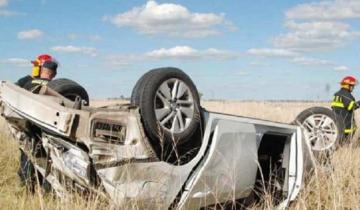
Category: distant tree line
[121,97]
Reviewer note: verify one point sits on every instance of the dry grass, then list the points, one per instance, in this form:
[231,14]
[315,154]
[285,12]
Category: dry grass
[13,195]
[276,111]
[336,188]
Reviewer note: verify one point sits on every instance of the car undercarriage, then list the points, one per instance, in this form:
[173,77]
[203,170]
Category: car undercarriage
[174,154]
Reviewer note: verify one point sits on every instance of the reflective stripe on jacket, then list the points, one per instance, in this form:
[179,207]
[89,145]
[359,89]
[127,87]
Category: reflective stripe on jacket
[344,99]
[35,85]
[39,82]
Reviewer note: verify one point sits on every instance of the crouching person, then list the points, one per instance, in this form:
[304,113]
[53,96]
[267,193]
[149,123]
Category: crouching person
[36,67]
[47,73]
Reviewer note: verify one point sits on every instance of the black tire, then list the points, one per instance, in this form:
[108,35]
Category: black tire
[69,89]
[164,141]
[135,94]
[333,129]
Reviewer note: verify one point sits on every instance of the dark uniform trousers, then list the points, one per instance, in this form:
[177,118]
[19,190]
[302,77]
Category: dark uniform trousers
[344,105]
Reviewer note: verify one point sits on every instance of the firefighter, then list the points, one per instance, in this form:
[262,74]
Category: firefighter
[48,71]
[45,72]
[344,105]
[35,69]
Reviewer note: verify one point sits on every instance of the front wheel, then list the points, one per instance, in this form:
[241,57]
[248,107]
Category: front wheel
[170,109]
[321,128]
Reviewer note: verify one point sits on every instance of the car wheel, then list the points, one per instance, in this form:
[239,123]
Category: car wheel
[321,129]
[69,89]
[135,94]
[169,107]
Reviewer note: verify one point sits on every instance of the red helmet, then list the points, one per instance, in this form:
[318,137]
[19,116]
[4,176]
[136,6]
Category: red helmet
[41,59]
[349,80]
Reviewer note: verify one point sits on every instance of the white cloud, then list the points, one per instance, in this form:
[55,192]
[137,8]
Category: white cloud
[171,19]
[311,61]
[341,68]
[314,27]
[326,10]
[30,34]
[7,13]
[73,49]
[293,57]
[3,3]
[271,52]
[177,52]
[186,52]
[20,62]
[311,36]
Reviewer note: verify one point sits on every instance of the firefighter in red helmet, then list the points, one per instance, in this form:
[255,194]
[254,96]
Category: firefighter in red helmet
[37,64]
[43,70]
[344,104]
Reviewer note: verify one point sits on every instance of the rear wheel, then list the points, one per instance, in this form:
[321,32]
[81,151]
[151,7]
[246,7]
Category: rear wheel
[69,89]
[170,109]
[321,129]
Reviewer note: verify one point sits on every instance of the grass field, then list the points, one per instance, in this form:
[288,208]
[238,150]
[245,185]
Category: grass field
[336,188]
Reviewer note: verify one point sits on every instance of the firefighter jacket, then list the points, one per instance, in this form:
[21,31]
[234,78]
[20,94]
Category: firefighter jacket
[35,85]
[344,105]
[24,80]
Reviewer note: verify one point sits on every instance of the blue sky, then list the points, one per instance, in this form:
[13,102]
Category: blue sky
[240,50]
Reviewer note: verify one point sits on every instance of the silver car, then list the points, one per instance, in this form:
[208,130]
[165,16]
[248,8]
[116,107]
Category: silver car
[163,150]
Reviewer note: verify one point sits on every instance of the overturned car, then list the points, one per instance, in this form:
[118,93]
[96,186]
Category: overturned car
[163,150]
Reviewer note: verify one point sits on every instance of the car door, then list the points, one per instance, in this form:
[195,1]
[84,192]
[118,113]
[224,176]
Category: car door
[229,169]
